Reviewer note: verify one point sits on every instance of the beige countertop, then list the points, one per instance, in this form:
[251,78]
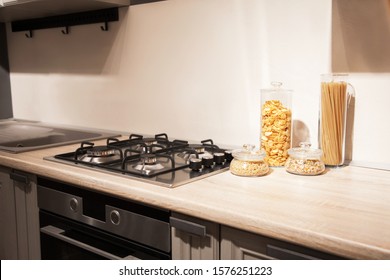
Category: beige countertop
[345,211]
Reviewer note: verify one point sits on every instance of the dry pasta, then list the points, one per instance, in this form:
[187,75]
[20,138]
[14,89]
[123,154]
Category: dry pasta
[332,121]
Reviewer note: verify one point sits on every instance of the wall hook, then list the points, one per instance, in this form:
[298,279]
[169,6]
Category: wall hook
[105,27]
[29,34]
[66,31]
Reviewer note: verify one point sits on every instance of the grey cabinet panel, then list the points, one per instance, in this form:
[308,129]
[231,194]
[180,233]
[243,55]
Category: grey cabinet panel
[5,82]
[8,233]
[241,245]
[19,237]
[190,242]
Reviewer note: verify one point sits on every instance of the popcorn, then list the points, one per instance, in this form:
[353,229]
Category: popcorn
[275,132]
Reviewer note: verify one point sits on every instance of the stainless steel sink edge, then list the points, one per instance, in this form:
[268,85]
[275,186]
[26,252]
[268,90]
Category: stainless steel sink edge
[59,135]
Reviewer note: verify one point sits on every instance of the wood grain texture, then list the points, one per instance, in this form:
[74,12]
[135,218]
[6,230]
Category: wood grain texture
[345,211]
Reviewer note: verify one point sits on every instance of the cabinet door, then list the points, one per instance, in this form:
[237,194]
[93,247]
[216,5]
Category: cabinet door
[8,232]
[242,245]
[27,215]
[19,216]
[193,238]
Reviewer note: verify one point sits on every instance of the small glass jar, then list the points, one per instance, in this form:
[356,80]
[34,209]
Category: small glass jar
[248,162]
[276,123]
[305,160]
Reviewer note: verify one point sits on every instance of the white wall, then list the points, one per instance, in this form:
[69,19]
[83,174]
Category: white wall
[190,68]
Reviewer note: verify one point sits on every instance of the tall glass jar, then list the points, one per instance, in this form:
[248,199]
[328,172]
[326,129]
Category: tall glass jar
[335,91]
[276,123]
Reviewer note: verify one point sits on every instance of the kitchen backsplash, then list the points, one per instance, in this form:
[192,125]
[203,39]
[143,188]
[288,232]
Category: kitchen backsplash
[192,69]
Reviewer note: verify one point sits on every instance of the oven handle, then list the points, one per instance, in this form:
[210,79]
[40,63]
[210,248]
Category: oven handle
[58,234]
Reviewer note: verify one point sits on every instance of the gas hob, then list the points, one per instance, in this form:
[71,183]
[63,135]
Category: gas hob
[157,159]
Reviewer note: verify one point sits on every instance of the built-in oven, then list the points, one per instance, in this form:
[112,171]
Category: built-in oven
[81,224]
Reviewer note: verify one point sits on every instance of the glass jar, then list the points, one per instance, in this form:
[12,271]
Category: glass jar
[335,95]
[248,162]
[276,123]
[305,160]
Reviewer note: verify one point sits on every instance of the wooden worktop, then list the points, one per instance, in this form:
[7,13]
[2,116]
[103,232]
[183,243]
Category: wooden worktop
[345,211]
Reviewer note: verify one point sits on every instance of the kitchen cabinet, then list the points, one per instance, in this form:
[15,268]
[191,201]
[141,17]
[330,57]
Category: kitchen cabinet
[8,233]
[241,245]
[194,238]
[19,215]
[28,9]
[13,10]
[5,82]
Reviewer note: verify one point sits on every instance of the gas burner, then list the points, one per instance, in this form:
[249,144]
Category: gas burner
[148,163]
[100,155]
[101,151]
[149,159]
[198,148]
[149,141]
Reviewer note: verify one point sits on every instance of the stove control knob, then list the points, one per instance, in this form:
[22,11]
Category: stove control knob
[74,204]
[195,164]
[208,161]
[115,217]
[228,155]
[219,158]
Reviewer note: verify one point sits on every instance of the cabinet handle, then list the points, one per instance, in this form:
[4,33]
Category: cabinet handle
[187,226]
[58,233]
[22,178]
[285,254]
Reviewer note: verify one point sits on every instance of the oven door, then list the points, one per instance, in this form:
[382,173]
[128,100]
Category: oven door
[64,239]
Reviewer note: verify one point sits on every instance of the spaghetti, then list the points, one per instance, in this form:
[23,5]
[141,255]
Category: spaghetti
[332,121]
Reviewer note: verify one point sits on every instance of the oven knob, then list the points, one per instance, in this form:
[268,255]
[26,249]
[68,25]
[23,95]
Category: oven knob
[195,164]
[207,161]
[115,217]
[74,204]
[219,158]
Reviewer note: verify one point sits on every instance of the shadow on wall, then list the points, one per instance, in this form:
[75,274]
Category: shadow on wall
[361,36]
[300,133]
[87,49]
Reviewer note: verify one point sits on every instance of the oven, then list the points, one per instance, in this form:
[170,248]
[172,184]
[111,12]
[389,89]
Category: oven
[79,224]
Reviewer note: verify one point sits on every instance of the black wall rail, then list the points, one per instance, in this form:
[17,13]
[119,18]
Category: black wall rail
[65,21]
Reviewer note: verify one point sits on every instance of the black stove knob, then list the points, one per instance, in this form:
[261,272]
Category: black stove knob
[208,161]
[219,158]
[228,155]
[195,164]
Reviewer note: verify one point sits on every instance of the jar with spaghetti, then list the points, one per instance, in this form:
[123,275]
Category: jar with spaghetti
[276,123]
[335,91]
[248,162]
[305,160]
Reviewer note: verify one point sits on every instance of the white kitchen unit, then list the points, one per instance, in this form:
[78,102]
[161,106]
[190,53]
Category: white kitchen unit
[242,245]
[19,232]
[193,238]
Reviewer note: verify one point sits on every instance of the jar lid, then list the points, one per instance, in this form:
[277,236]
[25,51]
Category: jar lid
[304,151]
[276,87]
[248,153]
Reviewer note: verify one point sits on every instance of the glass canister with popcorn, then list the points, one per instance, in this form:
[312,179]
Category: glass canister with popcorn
[276,123]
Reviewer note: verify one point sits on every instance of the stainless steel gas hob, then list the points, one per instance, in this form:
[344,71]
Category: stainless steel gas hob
[157,160]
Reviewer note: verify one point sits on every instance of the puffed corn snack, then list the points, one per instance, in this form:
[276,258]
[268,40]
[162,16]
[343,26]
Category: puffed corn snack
[275,132]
